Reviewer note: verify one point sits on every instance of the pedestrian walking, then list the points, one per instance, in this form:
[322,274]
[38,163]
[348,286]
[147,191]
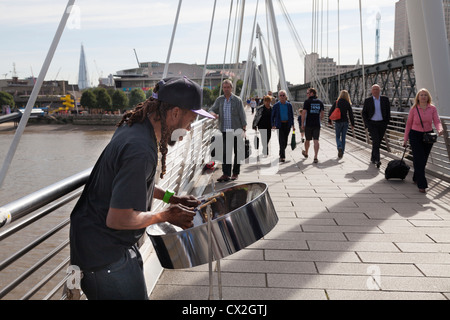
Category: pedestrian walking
[253,105]
[420,122]
[376,115]
[283,121]
[313,113]
[229,109]
[263,122]
[341,125]
[302,130]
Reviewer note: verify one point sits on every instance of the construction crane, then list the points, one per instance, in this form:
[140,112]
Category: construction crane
[137,59]
[100,73]
[377,40]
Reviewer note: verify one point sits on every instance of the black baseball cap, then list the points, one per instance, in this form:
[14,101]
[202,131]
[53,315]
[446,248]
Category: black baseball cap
[183,93]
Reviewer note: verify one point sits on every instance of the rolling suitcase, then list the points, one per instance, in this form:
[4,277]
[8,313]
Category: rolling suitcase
[397,169]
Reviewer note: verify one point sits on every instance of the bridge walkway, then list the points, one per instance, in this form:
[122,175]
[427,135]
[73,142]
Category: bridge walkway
[344,233]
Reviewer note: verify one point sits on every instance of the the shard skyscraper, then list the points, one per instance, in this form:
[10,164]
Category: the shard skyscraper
[83,76]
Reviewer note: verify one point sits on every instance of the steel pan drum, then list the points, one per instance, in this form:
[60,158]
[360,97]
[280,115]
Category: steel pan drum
[243,215]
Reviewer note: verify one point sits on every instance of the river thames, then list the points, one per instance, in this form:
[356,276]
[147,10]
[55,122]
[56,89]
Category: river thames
[47,154]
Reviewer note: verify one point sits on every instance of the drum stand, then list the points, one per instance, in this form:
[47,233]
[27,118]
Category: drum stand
[210,253]
[210,260]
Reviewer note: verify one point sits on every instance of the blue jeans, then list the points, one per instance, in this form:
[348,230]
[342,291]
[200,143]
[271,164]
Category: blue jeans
[121,280]
[341,129]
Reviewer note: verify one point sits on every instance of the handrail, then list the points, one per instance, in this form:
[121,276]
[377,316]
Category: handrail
[185,163]
[23,206]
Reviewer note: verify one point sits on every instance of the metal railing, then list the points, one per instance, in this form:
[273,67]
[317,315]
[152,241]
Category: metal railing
[392,146]
[185,163]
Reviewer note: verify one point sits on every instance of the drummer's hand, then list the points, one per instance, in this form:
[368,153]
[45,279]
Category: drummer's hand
[188,201]
[180,216]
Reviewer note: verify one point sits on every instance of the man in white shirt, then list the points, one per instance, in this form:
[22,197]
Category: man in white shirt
[376,115]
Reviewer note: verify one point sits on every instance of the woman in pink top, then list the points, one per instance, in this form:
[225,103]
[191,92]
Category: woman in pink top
[414,133]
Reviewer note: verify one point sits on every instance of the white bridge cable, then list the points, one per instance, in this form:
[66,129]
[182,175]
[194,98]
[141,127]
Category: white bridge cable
[362,52]
[232,45]
[302,51]
[249,60]
[276,39]
[166,67]
[226,47]
[265,74]
[238,41]
[35,92]
[339,45]
[272,58]
[268,45]
[209,44]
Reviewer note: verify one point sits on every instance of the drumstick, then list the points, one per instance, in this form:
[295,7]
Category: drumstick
[218,195]
[199,208]
[213,200]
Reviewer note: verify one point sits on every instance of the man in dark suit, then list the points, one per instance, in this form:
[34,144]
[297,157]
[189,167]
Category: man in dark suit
[376,115]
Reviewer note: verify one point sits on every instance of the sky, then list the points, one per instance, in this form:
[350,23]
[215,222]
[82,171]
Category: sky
[111,30]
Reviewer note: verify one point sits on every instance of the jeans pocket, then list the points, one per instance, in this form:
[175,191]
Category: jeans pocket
[119,264]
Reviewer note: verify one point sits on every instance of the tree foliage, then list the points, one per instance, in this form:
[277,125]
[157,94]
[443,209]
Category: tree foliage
[137,95]
[88,99]
[104,100]
[119,100]
[6,99]
[208,97]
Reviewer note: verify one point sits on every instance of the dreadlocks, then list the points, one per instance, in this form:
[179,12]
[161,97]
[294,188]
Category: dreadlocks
[159,110]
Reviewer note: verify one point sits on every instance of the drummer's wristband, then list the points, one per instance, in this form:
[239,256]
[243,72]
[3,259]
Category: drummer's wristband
[169,194]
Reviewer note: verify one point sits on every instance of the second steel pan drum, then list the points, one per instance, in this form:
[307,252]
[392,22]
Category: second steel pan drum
[241,215]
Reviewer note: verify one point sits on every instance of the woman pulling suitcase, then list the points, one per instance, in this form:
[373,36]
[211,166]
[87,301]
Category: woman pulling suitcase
[418,127]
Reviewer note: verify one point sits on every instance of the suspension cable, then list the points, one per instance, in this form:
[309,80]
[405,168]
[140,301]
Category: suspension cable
[362,51]
[268,45]
[226,46]
[250,56]
[339,48]
[239,40]
[209,43]
[302,52]
[166,67]
[233,39]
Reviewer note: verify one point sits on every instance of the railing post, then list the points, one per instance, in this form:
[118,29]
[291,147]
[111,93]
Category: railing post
[446,138]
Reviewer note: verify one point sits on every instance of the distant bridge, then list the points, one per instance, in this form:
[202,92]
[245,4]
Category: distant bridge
[10,117]
[16,116]
[396,78]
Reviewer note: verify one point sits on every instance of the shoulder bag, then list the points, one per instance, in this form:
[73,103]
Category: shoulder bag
[428,137]
[336,115]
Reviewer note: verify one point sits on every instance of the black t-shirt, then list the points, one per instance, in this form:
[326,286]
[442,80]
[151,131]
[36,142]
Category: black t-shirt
[266,119]
[314,107]
[122,178]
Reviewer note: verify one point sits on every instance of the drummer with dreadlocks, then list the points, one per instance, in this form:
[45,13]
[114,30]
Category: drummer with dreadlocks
[115,206]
